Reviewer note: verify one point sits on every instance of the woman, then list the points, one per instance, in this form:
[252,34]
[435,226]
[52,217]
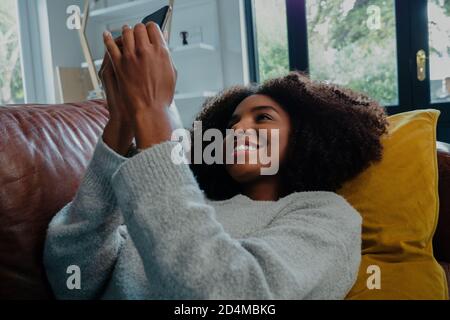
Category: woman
[143,227]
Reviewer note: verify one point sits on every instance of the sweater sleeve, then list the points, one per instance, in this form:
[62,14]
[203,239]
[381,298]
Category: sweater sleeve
[186,250]
[85,233]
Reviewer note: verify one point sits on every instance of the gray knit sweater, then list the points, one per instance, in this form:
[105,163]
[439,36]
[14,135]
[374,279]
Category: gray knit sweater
[140,228]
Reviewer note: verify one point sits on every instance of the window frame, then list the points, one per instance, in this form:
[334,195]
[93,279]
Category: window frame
[35,52]
[411,35]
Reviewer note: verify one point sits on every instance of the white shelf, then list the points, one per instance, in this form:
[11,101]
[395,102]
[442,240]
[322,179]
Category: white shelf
[190,104]
[127,9]
[193,48]
[194,95]
[98,63]
[134,8]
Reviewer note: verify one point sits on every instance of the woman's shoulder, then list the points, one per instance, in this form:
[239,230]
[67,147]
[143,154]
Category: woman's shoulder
[322,204]
[315,198]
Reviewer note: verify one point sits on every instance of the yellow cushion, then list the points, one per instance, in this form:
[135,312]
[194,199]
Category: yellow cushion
[398,200]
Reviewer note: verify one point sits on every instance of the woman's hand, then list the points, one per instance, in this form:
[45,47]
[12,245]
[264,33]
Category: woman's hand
[146,79]
[119,132]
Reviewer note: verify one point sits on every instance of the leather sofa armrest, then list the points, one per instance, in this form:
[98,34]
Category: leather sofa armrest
[441,240]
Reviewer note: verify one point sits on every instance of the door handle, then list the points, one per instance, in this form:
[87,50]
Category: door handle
[421,60]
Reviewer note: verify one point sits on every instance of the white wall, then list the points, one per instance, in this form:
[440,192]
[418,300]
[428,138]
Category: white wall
[223,26]
[231,17]
[64,43]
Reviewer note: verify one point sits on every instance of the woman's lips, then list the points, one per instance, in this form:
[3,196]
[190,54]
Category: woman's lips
[247,145]
[245,149]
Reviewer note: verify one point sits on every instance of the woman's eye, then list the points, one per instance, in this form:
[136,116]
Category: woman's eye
[263,116]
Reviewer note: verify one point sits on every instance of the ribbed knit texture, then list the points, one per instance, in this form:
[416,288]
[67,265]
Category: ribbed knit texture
[140,228]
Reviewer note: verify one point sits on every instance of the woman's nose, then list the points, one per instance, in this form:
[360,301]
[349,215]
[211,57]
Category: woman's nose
[243,125]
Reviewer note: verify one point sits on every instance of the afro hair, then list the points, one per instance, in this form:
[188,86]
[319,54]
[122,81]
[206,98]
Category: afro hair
[336,134]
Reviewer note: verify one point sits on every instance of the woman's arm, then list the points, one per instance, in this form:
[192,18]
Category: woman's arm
[184,247]
[85,232]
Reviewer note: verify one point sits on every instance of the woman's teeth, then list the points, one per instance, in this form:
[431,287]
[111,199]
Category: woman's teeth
[245,148]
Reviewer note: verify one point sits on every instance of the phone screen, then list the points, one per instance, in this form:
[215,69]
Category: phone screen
[159,17]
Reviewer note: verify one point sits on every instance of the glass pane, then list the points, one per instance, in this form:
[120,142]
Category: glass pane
[439,38]
[271,35]
[11,86]
[353,43]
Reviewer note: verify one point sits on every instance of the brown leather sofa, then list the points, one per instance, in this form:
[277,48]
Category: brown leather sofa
[44,150]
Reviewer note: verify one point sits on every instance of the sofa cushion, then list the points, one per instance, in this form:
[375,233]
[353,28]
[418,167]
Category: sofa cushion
[44,151]
[398,200]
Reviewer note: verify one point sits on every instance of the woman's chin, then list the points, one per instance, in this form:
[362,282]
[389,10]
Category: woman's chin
[244,173]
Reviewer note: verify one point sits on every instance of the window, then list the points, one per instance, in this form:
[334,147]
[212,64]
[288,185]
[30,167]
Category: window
[353,43]
[271,38]
[395,51]
[11,85]
[439,35]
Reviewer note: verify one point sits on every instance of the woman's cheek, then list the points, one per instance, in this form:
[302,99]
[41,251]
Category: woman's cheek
[283,144]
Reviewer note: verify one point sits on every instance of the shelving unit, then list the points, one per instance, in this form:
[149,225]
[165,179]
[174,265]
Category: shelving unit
[98,64]
[105,15]
[193,48]
[189,104]
[194,95]
[200,63]
[133,8]
[177,52]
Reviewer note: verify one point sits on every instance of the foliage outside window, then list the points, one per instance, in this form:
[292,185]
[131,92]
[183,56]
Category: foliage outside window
[439,41]
[271,35]
[11,85]
[353,43]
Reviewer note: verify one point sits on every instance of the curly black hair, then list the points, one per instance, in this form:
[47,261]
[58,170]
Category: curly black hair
[336,134]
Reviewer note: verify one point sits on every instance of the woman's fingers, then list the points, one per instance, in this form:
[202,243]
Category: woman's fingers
[119,42]
[141,37]
[100,72]
[128,40]
[111,47]
[108,76]
[155,35]
[106,58]
[108,69]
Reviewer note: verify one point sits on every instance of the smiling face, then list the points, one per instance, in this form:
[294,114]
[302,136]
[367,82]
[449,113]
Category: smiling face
[257,113]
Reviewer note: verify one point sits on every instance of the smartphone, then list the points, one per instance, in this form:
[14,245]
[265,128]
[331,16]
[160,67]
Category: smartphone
[160,17]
